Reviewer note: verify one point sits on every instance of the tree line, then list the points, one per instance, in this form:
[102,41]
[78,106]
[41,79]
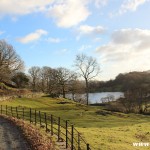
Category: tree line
[53,81]
[61,80]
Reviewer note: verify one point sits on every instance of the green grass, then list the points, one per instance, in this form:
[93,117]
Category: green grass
[114,131]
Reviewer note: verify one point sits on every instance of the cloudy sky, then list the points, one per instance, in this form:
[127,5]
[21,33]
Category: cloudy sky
[52,32]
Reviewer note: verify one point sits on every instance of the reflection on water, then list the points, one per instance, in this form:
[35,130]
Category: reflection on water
[98,97]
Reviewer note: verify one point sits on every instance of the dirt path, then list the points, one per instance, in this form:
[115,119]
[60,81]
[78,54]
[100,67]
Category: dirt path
[11,137]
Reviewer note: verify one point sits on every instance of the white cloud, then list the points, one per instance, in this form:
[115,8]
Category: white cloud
[131,5]
[99,3]
[22,7]
[86,30]
[128,50]
[138,39]
[68,13]
[127,41]
[53,40]
[84,47]
[128,6]
[32,36]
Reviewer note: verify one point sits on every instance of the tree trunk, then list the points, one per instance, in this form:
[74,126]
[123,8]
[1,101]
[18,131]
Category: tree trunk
[73,94]
[87,91]
[34,85]
[63,91]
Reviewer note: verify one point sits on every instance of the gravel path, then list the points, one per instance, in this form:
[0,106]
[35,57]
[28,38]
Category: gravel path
[11,137]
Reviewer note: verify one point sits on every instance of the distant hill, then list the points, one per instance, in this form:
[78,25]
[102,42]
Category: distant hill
[148,71]
[121,82]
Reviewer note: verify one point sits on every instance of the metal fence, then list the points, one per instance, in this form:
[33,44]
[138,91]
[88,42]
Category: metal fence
[61,129]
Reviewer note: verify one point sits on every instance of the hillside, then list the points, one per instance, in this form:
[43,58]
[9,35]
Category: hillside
[122,82]
[6,89]
[102,129]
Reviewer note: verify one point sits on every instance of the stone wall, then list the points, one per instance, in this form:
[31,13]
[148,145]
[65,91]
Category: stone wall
[29,95]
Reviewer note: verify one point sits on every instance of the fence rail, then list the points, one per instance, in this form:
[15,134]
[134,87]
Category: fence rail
[62,129]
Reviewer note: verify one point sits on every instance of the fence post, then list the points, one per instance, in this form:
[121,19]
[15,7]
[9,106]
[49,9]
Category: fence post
[40,119]
[30,115]
[1,109]
[17,112]
[6,109]
[23,112]
[78,141]
[58,128]
[45,121]
[11,112]
[35,116]
[51,124]
[66,134]
[88,146]
[72,136]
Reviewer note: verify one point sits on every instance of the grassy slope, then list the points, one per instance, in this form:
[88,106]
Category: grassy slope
[111,132]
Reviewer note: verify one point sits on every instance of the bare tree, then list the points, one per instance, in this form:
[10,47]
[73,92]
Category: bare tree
[10,62]
[48,79]
[34,73]
[64,76]
[88,69]
[43,78]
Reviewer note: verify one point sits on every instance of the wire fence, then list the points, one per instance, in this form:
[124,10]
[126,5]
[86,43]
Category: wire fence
[61,129]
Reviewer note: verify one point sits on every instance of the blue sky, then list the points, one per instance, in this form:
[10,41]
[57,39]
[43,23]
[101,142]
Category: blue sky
[52,32]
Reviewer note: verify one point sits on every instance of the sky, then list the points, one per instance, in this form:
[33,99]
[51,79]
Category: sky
[52,32]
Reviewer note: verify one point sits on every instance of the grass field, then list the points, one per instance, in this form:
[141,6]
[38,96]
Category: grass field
[102,130]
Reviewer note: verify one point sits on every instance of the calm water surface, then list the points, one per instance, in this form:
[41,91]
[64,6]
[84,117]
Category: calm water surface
[98,97]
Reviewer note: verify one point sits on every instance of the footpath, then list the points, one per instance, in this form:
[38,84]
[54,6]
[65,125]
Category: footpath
[11,137]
